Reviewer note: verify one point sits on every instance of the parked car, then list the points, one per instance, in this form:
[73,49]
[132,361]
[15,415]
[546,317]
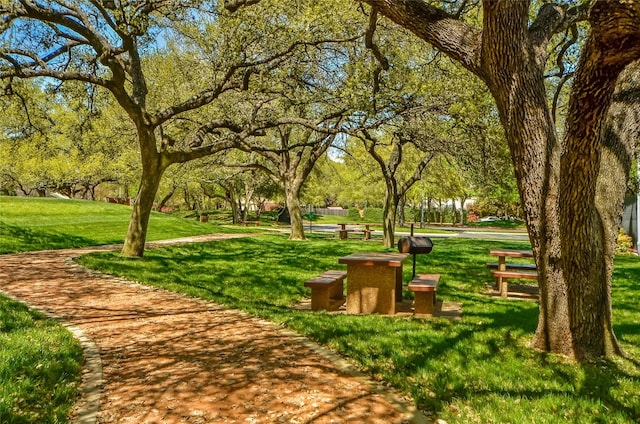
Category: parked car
[489,219]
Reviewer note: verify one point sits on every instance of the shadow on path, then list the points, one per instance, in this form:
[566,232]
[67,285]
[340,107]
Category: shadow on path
[167,358]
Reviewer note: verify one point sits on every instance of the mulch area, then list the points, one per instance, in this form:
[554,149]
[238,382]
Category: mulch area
[167,358]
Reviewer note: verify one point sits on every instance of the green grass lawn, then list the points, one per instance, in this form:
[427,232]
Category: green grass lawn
[28,224]
[40,365]
[40,361]
[477,369]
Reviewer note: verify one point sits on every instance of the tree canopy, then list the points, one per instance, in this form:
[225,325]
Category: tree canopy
[251,71]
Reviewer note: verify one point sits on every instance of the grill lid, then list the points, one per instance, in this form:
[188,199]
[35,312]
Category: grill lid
[415,245]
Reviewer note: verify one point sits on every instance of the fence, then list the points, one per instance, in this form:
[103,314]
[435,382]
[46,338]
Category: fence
[327,211]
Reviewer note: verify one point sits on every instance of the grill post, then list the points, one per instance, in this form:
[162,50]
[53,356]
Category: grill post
[414,267]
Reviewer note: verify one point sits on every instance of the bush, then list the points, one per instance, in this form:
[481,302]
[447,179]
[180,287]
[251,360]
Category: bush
[370,215]
[623,243]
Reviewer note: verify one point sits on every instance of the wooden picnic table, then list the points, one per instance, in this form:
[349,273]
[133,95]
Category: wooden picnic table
[503,254]
[516,270]
[344,232]
[374,282]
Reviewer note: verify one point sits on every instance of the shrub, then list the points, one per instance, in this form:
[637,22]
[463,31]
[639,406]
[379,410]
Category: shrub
[370,215]
[624,242]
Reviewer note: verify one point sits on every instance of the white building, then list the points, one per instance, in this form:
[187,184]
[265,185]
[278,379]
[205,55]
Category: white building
[630,219]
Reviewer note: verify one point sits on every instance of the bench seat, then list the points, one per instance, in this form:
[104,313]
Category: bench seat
[531,275]
[344,234]
[327,290]
[503,276]
[247,223]
[424,287]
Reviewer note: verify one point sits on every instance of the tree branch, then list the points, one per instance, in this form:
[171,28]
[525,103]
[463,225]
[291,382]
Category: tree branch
[444,31]
[60,75]
[198,100]
[233,5]
[553,19]
[383,63]
[181,156]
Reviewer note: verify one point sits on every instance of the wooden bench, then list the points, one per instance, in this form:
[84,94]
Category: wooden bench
[344,231]
[247,223]
[502,277]
[327,290]
[367,232]
[424,287]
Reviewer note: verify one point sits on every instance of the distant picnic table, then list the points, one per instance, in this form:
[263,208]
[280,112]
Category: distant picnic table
[504,271]
[356,229]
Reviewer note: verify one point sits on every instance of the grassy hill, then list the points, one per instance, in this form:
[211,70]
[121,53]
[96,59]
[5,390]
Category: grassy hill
[28,224]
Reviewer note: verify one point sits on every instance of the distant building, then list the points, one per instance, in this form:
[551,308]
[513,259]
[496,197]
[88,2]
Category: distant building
[630,218]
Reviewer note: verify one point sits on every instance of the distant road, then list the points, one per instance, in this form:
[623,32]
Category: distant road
[449,232]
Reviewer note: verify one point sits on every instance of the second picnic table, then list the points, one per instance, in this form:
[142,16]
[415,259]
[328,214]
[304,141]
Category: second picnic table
[344,232]
[517,270]
[374,282]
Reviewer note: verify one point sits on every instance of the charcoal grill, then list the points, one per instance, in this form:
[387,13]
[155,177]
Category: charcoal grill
[415,246]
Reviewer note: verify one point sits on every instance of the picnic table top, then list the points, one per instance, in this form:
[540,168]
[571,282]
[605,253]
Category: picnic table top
[512,253]
[374,258]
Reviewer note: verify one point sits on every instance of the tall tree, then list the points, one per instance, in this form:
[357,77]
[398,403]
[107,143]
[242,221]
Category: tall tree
[107,44]
[389,155]
[303,107]
[101,43]
[571,243]
[287,155]
[561,180]
[390,90]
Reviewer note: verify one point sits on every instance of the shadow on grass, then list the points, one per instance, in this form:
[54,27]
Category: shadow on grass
[14,239]
[481,359]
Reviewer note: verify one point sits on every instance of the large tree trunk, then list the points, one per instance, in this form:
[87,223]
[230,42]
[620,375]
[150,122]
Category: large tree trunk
[389,217]
[572,234]
[153,168]
[142,205]
[572,205]
[292,192]
[620,136]
[595,167]
[521,99]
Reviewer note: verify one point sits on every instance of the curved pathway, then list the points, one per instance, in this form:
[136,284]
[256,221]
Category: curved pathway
[167,358]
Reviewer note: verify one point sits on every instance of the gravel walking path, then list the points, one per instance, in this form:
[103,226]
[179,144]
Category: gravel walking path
[153,356]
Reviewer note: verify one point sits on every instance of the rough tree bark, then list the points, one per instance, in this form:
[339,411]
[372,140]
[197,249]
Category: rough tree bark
[572,243]
[292,192]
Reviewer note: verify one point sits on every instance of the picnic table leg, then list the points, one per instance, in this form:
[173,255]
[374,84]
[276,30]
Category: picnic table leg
[502,282]
[399,284]
[343,231]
